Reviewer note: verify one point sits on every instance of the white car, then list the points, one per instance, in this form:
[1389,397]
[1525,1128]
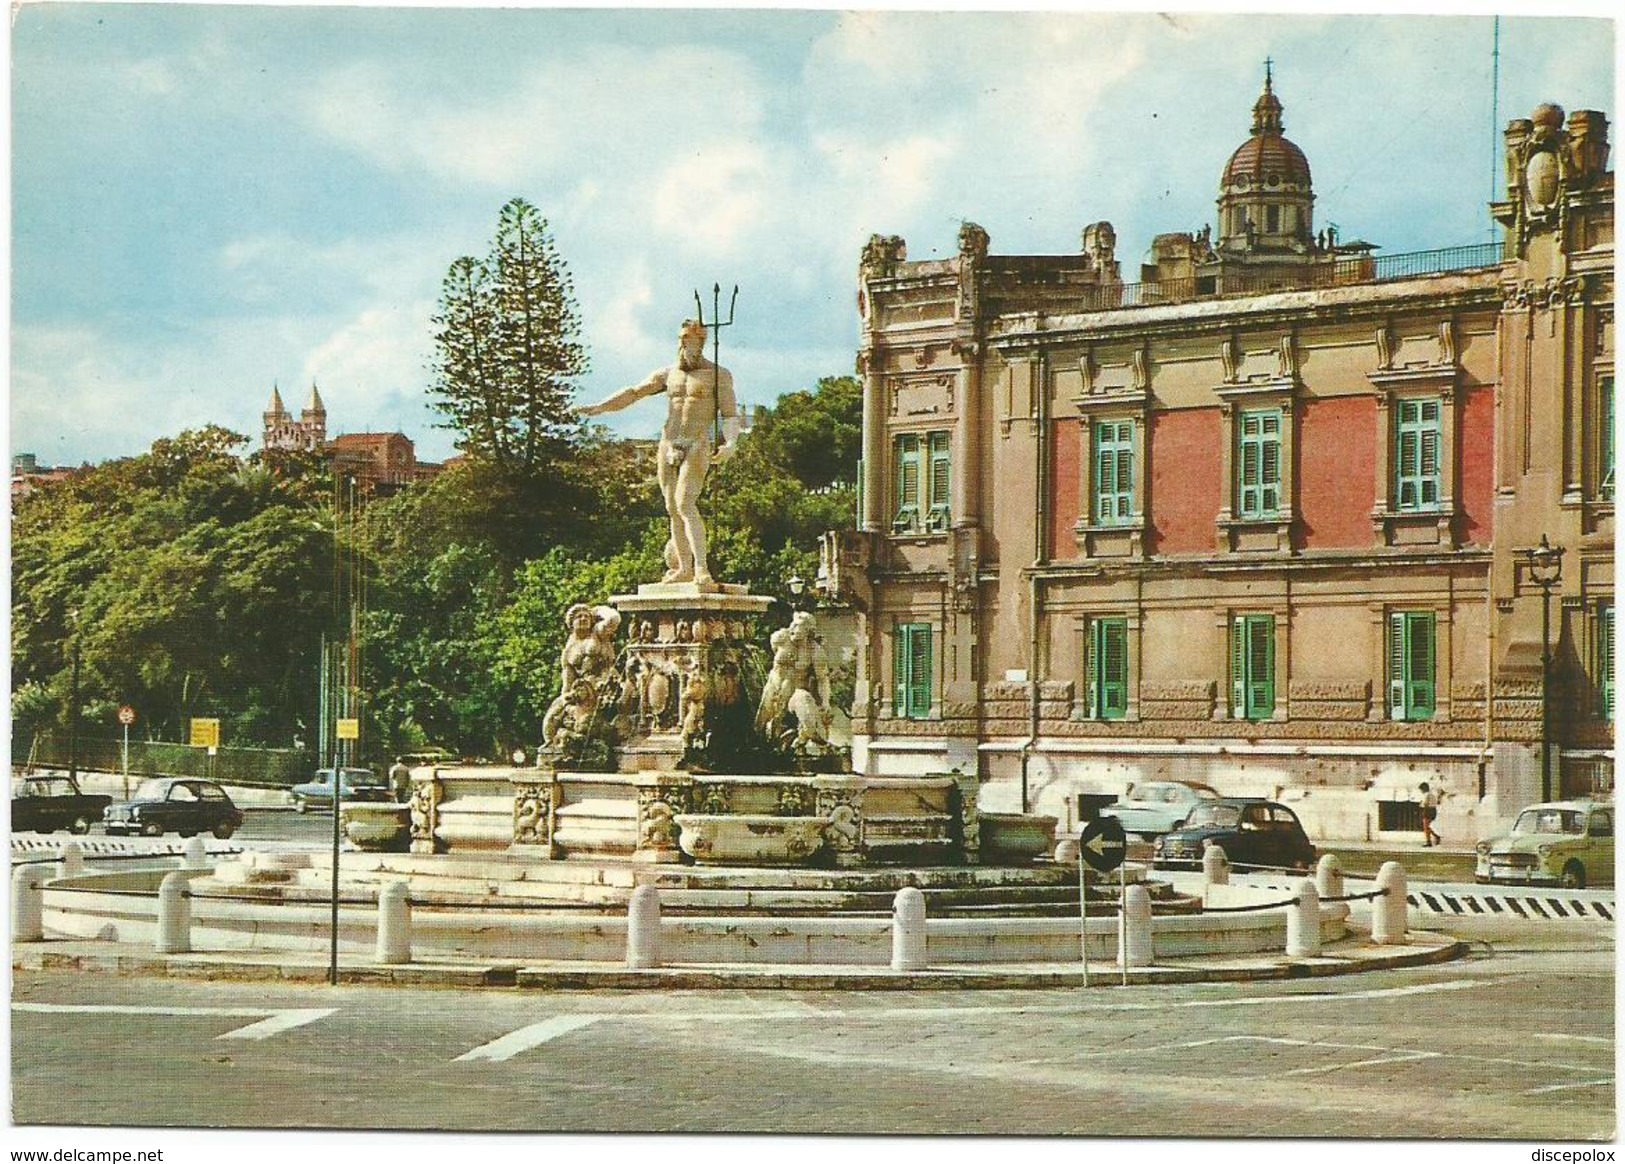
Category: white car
[1158,806]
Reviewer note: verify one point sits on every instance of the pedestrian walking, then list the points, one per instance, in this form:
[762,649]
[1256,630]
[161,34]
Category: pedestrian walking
[400,781]
[1430,810]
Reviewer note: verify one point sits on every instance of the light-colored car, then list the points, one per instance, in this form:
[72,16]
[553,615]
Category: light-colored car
[1568,843]
[1158,806]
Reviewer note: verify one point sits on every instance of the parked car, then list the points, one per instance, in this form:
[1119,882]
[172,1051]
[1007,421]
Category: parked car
[43,804]
[1251,831]
[175,805]
[354,784]
[1568,843]
[1158,806]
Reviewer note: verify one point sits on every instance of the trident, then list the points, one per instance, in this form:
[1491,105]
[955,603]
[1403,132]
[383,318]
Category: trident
[716,324]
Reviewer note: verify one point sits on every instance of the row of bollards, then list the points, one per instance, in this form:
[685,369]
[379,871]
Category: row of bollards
[1135,947]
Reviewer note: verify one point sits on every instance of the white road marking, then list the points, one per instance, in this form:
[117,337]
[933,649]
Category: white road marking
[1604,1082]
[272,1020]
[285,1020]
[1402,1057]
[525,1038]
[1603,1039]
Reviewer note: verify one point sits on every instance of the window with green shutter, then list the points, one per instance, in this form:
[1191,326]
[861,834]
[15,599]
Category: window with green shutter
[1114,472]
[1107,668]
[1605,660]
[1412,662]
[937,515]
[1252,666]
[922,482]
[1605,449]
[911,668]
[1258,464]
[1416,455]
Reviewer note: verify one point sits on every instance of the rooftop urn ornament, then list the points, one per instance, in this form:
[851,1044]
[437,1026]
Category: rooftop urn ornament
[702,426]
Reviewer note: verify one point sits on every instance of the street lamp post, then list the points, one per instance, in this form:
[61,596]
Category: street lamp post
[73,702]
[1545,565]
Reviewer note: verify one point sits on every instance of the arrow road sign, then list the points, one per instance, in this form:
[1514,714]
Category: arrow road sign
[1102,844]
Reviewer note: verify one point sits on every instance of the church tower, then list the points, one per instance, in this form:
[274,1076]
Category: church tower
[1266,205]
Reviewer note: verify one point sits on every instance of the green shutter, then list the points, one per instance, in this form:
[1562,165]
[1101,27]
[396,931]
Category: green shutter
[1258,465]
[1091,670]
[911,671]
[1605,659]
[907,455]
[1114,472]
[1605,485]
[938,511]
[1416,455]
[1260,666]
[1113,656]
[1412,665]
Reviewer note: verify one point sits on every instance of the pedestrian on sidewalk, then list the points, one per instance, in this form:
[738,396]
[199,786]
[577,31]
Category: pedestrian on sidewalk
[400,781]
[1430,810]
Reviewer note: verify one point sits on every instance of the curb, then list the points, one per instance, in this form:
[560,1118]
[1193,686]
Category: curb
[575,976]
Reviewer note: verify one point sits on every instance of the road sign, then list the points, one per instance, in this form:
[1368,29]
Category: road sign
[126,715]
[205,733]
[348,729]
[1102,844]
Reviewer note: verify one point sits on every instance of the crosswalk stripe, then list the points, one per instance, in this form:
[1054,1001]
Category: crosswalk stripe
[271,1020]
[285,1020]
[517,1042]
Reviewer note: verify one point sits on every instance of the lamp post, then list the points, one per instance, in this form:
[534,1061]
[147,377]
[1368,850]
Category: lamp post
[73,701]
[797,586]
[1545,566]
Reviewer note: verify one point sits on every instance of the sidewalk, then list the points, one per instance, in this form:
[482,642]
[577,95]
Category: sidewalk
[1353,956]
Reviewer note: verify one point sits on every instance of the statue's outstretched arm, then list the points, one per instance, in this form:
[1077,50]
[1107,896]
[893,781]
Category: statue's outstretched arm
[656,383]
[728,410]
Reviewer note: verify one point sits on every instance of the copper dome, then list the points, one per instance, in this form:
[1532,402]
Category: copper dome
[1267,155]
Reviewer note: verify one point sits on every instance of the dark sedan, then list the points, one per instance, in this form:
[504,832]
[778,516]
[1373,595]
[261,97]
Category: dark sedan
[1253,834]
[175,805]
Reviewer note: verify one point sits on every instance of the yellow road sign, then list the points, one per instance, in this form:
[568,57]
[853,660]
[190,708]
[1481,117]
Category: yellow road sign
[348,729]
[205,733]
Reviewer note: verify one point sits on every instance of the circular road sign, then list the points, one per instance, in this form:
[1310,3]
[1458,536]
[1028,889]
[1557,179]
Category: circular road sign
[1102,844]
[126,715]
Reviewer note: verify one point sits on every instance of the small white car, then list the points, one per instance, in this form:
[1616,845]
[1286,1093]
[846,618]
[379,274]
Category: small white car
[1158,806]
[1567,842]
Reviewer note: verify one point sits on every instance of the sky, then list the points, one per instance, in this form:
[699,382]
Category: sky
[211,200]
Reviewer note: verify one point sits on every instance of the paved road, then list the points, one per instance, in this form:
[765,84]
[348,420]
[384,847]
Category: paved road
[1515,1045]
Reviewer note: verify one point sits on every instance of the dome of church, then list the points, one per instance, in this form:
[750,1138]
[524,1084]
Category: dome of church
[1266,159]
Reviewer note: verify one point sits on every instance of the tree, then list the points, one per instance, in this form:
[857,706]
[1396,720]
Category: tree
[507,350]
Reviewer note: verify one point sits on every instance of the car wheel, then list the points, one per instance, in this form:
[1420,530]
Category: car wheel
[80,826]
[223,830]
[152,829]
[1574,875]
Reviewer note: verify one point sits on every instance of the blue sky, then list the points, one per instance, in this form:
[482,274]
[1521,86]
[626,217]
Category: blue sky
[210,199]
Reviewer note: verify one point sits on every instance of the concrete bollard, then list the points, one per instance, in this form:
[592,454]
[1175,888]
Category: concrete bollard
[394,925]
[1215,866]
[174,916]
[1329,876]
[643,928]
[72,856]
[1303,923]
[28,902]
[1134,947]
[193,854]
[1388,913]
[908,930]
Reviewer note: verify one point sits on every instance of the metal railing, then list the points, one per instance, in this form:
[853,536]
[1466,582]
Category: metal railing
[1339,273]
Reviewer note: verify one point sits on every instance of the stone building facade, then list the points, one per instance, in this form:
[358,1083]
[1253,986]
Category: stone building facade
[1259,519]
[383,462]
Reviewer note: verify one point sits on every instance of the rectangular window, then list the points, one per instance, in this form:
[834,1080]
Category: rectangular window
[1605,448]
[1411,664]
[1114,472]
[1107,667]
[1605,661]
[923,480]
[911,666]
[1258,467]
[1252,666]
[1416,455]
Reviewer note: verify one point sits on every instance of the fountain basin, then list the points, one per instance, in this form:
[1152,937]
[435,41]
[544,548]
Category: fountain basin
[1016,837]
[750,838]
[376,826]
